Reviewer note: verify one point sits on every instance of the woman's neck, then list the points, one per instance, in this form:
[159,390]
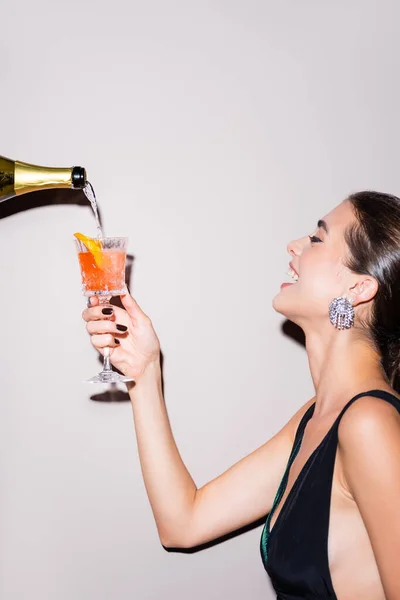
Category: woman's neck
[342,364]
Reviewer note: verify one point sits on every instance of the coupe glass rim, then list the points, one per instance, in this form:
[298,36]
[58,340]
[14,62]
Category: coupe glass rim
[108,237]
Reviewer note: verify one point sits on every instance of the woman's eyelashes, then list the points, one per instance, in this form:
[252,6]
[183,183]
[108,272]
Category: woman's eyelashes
[314,239]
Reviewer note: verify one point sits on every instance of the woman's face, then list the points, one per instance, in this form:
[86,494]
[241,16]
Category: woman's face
[318,261]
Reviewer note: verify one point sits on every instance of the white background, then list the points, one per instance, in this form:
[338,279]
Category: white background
[213,133]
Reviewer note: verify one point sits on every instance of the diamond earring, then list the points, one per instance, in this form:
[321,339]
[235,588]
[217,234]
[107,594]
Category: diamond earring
[341,313]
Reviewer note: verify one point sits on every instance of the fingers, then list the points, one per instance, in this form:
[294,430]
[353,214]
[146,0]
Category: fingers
[103,341]
[92,301]
[101,327]
[110,313]
[96,312]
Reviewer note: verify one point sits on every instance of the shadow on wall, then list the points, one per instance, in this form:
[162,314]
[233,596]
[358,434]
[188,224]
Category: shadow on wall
[43,198]
[295,332]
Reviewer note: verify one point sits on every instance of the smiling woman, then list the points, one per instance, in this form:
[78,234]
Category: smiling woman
[329,480]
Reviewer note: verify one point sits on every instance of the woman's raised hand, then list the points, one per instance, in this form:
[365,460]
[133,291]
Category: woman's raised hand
[128,333]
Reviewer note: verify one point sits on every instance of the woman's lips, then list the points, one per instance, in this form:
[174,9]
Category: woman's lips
[286,284]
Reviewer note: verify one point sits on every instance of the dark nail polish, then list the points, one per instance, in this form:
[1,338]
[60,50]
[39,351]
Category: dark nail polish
[116,341]
[122,327]
[107,311]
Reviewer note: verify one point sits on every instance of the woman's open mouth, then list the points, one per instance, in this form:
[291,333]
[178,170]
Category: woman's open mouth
[293,274]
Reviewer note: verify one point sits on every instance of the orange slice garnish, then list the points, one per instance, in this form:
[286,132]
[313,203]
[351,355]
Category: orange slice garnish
[94,247]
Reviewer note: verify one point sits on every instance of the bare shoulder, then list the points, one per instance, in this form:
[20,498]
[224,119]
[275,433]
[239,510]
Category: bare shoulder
[368,414]
[368,422]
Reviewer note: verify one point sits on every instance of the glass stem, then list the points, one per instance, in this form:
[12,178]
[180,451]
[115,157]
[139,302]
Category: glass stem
[104,301]
[106,360]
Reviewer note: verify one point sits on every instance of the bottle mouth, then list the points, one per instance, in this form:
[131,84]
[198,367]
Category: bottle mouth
[78,178]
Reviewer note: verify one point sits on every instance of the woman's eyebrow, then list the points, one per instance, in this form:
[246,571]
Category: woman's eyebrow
[323,225]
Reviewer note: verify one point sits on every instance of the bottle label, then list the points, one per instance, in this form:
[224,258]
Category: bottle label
[6,179]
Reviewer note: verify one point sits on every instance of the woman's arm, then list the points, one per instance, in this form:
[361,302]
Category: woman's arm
[185,516]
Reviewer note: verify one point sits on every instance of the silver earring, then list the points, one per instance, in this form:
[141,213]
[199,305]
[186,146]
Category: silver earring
[341,313]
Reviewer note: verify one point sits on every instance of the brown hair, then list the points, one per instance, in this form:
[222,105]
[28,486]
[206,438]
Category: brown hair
[374,245]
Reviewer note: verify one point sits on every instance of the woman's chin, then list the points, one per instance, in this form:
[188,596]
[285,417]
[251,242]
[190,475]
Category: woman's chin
[284,302]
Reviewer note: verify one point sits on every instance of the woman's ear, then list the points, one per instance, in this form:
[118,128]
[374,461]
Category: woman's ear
[363,290]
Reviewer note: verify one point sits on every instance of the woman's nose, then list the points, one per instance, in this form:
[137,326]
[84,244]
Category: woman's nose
[295,247]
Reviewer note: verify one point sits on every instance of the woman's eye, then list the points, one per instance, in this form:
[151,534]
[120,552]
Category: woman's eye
[314,239]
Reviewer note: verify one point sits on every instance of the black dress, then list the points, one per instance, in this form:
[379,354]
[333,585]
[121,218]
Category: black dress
[295,552]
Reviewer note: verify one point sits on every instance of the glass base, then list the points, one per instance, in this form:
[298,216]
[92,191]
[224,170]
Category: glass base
[108,377]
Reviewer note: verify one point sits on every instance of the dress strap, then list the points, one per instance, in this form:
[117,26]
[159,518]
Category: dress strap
[382,394]
[282,486]
[303,422]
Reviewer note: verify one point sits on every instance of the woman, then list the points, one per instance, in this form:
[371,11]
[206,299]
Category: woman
[333,527]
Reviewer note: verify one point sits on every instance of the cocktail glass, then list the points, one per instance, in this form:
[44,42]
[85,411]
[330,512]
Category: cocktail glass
[103,275]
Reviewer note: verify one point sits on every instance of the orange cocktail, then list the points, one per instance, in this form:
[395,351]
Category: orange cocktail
[107,276]
[102,262]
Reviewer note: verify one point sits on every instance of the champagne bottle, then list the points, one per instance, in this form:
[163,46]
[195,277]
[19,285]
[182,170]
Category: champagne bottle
[17,178]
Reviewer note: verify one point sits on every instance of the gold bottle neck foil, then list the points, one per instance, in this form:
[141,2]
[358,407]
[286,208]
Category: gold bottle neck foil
[30,178]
